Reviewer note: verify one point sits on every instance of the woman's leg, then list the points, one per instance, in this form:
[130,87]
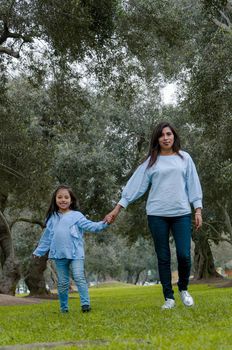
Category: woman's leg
[80,280]
[159,227]
[181,229]
[62,268]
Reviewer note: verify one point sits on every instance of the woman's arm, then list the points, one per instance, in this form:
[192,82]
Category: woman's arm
[110,217]
[134,189]
[193,185]
[194,192]
[198,218]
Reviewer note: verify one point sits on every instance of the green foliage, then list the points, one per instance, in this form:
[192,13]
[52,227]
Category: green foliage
[53,130]
[114,256]
[123,318]
[160,34]
[214,6]
[74,27]
[23,147]
[209,104]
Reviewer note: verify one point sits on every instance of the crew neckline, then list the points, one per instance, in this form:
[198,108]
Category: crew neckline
[168,155]
[59,212]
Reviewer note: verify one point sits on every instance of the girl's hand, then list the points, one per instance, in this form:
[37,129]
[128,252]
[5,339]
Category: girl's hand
[198,219]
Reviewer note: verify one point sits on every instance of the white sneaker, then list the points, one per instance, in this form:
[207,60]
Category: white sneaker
[169,304]
[186,298]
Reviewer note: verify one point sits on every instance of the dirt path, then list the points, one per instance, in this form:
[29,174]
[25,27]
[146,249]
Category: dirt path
[6,300]
[79,344]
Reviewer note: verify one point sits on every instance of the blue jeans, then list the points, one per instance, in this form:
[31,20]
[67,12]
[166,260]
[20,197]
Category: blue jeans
[63,267]
[181,229]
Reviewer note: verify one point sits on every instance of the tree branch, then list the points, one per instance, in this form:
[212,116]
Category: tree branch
[7,34]
[25,38]
[226,18]
[227,218]
[4,34]
[30,221]
[212,228]
[222,25]
[229,5]
[11,170]
[9,52]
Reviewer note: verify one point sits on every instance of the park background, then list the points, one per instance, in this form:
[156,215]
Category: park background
[82,86]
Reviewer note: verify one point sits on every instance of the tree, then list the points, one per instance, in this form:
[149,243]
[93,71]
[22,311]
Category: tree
[22,158]
[73,27]
[209,104]
[94,137]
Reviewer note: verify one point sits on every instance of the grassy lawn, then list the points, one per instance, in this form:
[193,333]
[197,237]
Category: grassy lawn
[125,318]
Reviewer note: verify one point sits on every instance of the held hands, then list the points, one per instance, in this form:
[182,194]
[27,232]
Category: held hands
[110,217]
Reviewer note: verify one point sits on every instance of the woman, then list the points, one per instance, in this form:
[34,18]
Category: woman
[174,185]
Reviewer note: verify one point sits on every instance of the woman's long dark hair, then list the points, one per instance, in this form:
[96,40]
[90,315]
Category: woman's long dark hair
[53,207]
[154,149]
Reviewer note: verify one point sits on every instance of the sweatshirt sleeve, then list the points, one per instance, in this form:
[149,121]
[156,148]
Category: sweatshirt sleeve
[136,186]
[45,241]
[91,226]
[193,185]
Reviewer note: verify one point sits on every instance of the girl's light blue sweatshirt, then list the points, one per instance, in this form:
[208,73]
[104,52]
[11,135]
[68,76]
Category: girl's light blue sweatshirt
[174,184]
[63,235]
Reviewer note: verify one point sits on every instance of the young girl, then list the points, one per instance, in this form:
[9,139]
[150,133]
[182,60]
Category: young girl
[63,238]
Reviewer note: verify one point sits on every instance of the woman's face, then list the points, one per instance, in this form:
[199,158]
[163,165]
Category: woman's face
[166,140]
[63,200]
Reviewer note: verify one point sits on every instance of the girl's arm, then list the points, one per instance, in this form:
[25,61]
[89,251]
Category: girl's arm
[92,226]
[45,242]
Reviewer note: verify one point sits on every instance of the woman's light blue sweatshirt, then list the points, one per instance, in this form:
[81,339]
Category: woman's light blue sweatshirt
[63,235]
[174,184]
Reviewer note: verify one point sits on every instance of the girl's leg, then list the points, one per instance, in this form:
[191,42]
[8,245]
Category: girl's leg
[181,228]
[159,227]
[78,274]
[62,268]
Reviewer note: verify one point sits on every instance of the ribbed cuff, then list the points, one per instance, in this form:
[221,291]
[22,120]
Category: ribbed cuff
[123,202]
[197,204]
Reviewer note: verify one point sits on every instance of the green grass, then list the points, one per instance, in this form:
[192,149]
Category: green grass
[125,318]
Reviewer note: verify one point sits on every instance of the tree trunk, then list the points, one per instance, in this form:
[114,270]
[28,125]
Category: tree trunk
[145,277]
[137,274]
[34,277]
[204,267]
[129,277]
[10,267]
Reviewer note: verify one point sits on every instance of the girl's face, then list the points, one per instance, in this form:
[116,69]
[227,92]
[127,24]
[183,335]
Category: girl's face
[166,140]
[63,200]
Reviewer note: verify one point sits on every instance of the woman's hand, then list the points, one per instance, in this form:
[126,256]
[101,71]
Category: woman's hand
[198,218]
[110,217]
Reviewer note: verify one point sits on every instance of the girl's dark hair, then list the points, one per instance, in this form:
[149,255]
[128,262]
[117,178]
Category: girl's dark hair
[154,149]
[53,208]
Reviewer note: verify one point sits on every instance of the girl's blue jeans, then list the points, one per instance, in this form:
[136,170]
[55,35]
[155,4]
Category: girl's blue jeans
[160,228]
[76,267]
